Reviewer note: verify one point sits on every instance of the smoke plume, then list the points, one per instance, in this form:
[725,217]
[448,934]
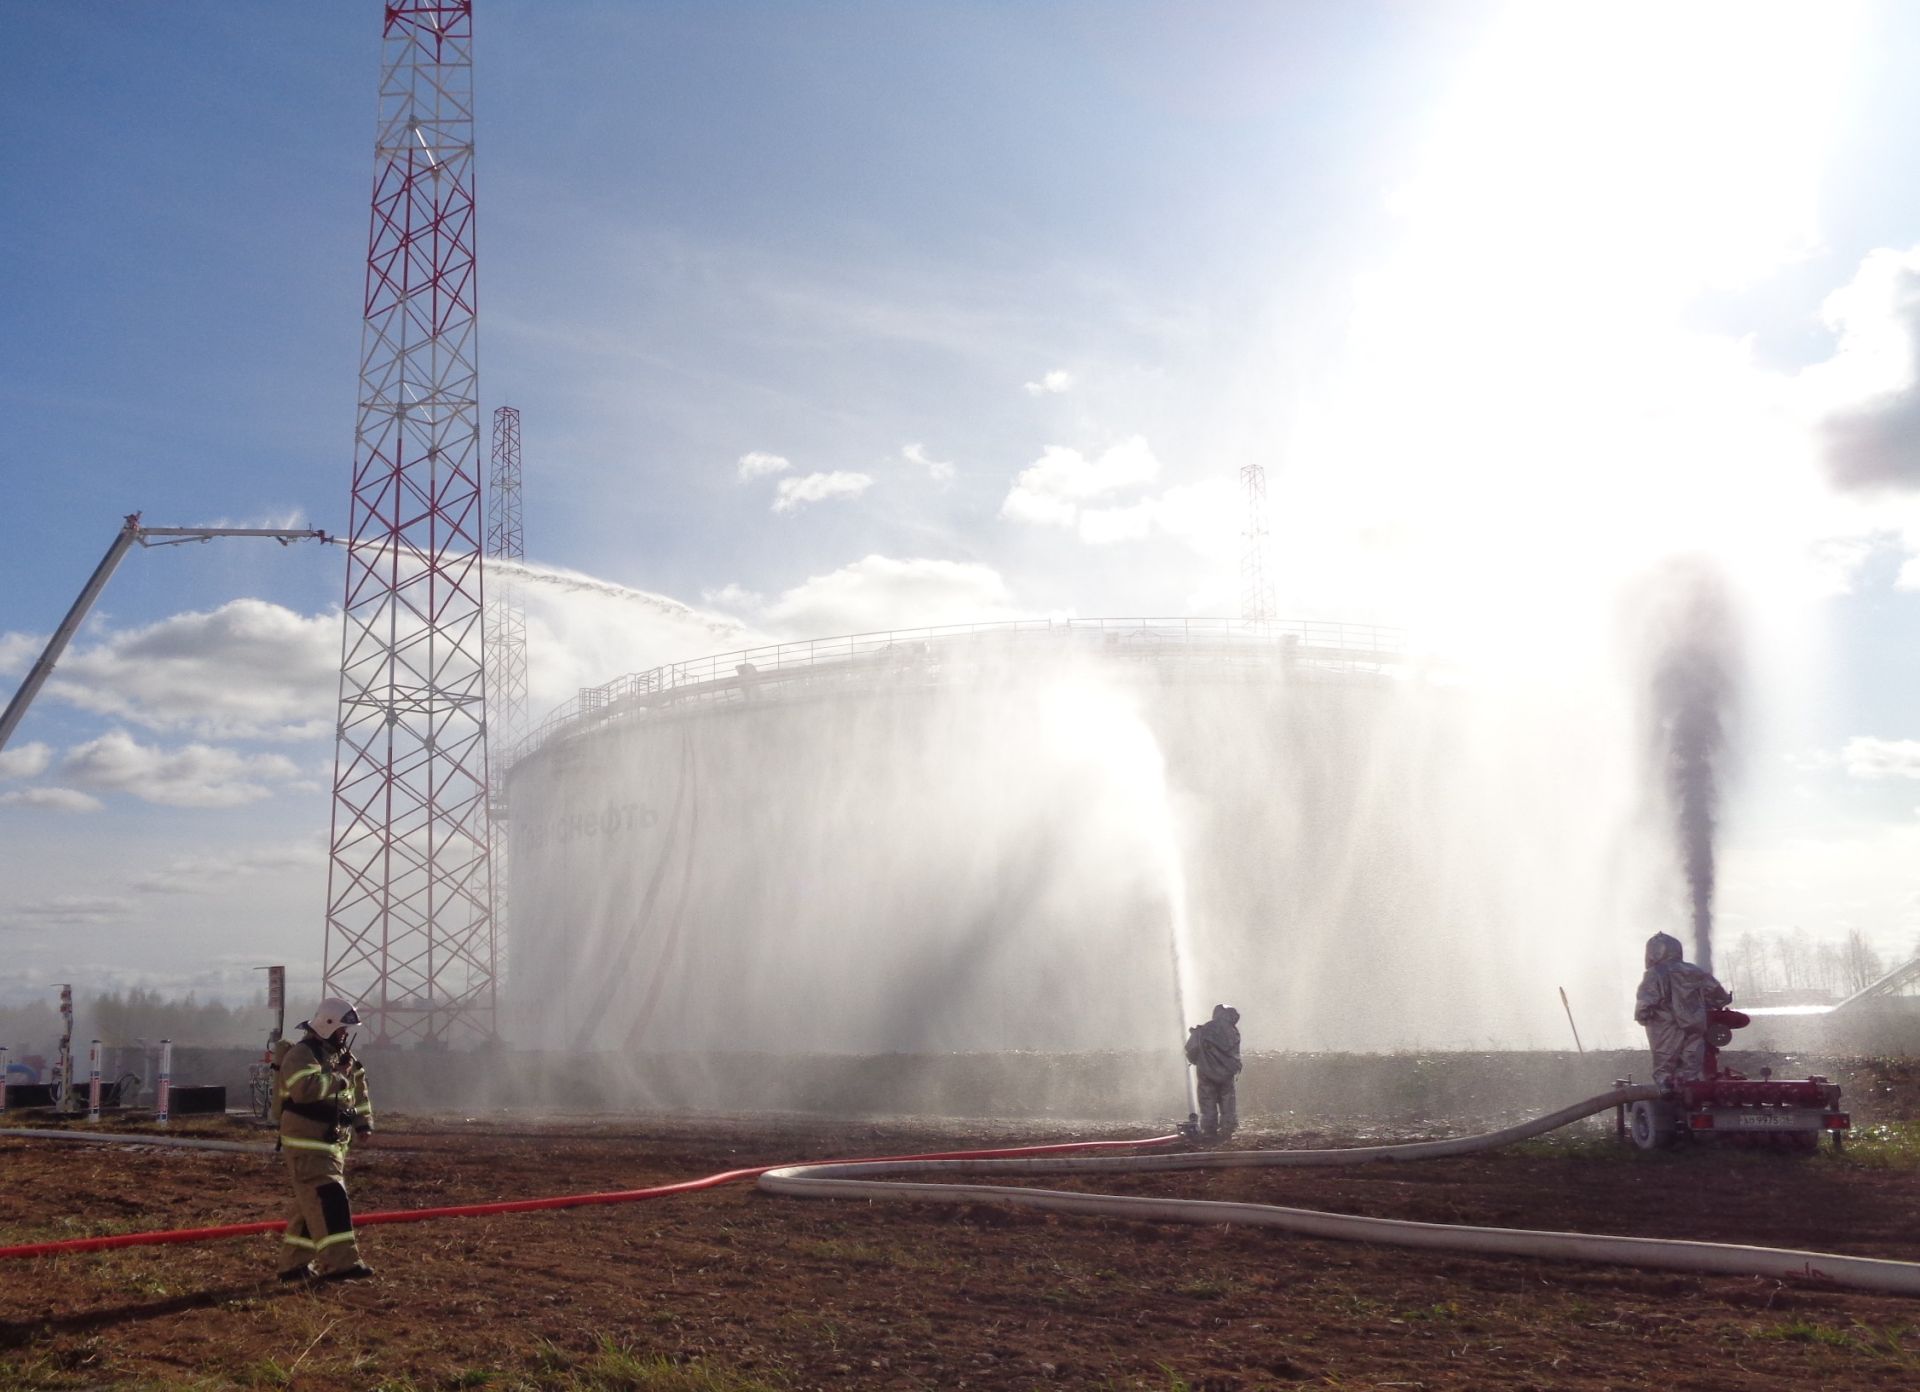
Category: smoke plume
[1693,657]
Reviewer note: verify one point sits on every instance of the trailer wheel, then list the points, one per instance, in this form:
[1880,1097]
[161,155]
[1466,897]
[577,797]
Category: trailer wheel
[1650,1125]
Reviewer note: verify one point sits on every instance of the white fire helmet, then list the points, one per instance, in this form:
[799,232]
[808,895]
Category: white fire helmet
[332,1015]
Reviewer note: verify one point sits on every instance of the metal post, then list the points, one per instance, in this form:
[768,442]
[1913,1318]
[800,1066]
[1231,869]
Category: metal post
[68,1103]
[93,1082]
[3,1078]
[161,1096]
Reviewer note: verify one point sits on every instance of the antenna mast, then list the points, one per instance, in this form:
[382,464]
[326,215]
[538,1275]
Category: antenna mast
[1256,585]
[506,617]
[410,933]
[506,646]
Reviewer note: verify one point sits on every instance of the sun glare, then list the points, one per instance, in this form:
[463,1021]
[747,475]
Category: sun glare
[1531,411]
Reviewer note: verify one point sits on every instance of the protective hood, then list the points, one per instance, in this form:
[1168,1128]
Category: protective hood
[1226,1013]
[1663,947]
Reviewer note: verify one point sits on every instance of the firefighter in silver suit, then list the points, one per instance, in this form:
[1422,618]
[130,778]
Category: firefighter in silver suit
[1673,1002]
[1214,1051]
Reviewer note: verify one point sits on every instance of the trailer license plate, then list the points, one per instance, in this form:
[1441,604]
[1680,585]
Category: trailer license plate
[1780,1121]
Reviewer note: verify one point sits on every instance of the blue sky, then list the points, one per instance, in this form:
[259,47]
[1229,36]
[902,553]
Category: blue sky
[1510,305]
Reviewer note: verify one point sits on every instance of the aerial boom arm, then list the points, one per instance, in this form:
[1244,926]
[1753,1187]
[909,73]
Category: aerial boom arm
[130,532]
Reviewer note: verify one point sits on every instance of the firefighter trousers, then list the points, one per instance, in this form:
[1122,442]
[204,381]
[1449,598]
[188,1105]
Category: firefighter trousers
[1219,1111]
[319,1220]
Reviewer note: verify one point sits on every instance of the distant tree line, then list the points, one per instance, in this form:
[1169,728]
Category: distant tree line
[118,1018]
[1763,967]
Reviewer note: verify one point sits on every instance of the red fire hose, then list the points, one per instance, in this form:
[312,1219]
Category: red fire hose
[427,1215]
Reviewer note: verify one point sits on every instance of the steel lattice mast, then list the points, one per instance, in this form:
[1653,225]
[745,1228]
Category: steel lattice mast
[506,648]
[1256,585]
[410,933]
[506,618]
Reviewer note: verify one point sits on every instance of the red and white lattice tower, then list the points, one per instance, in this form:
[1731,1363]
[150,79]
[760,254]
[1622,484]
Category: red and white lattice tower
[506,618]
[506,646]
[1256,585]
[410,932]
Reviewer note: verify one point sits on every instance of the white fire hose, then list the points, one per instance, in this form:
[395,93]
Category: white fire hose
[861,1181]
[136,1138]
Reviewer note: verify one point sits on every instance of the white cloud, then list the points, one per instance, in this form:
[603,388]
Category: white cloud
[195,775]
[1037,509]
[758,464]
[733,596]
[939,470]
[814,488]
[1104,526]
[214,873]
[1872,759]
[247,670]
[53,799]
[1204,515]
[1051,384]
[1811,761]
[17,652]
[1871,386]
[1048,492]
[66,910]
[879,593]
[25,760]
[1835,563]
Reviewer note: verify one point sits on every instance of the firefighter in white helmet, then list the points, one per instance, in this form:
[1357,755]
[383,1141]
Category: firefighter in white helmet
[320,1098]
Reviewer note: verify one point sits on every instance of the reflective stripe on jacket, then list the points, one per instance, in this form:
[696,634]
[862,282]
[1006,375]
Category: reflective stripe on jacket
[311,1094]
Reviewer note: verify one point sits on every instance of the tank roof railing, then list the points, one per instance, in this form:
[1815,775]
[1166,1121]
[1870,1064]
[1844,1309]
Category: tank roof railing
[1320,644]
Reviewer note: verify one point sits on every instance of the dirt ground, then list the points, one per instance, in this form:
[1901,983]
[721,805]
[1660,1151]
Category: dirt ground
[735,1289]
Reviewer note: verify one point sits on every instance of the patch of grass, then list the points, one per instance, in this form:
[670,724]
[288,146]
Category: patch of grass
[1358,1306]
[1895,1144]
[1577,1144]
[1889,1343]
[43,1375]
[1204,1289]
[617,1367]
[854,1253]
[471,1377]
[816,1329]
[1440,1310]
[265,1372]
[1805,1331]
